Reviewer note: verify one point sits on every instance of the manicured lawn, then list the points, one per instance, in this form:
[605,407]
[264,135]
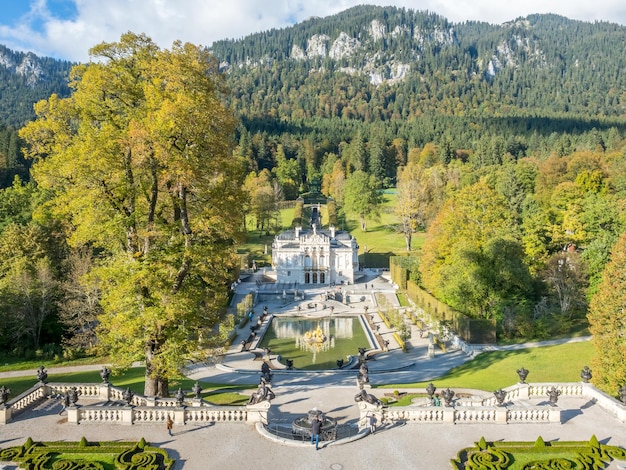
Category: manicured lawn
[219,394]
[496,369]
[8,362]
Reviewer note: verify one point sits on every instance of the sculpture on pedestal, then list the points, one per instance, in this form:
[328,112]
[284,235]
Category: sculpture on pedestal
[104,374]
[42,375]
[263,393]
[585,374]
[553,395]
[522,373]
[196,389]
[128,395]
[448,395]
[180,397]
[368,398]
[500,396]
[363,376]
[4,395]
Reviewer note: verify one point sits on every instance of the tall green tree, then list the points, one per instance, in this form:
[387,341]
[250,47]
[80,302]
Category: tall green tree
[362,198]
[607,323]
[139,161]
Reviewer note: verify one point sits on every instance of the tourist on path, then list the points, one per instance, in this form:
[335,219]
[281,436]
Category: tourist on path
[169,424]
[316,426]
[65,402]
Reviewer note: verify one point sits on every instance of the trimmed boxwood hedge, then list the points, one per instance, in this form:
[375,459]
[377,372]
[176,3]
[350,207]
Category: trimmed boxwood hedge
[501,455]
[80,455]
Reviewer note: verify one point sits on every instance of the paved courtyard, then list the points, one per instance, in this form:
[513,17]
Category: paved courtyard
[400,446]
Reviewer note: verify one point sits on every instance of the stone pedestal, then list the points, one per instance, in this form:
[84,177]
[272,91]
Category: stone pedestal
[196,402]
[431,351]
[524,391]
[258,413]
[448,415]
[501,413]
[179,415]
[555,416]
[5,414]
[127,415]
[104,392]
[72,414]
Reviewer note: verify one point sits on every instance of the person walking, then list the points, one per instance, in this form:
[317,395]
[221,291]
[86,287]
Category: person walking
[169,424]
[316,427]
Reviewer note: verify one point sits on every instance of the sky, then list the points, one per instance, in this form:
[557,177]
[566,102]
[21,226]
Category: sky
[67,29]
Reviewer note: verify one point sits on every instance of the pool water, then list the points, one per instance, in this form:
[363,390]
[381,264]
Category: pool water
[315,344]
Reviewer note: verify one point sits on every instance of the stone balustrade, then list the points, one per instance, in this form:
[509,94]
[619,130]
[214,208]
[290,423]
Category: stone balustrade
[485,410]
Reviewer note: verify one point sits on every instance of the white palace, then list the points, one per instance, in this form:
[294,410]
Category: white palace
[315,256]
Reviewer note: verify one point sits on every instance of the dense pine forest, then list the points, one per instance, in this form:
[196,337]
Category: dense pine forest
[504,147]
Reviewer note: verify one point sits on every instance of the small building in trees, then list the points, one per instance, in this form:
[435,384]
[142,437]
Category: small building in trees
[315,256]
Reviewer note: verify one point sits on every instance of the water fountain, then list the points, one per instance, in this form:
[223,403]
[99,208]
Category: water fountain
[302,426]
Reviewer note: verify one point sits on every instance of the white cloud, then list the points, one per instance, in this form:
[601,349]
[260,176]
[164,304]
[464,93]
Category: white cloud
[202,21]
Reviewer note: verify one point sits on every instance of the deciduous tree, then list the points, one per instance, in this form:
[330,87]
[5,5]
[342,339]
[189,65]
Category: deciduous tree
[139,161]
[607,323]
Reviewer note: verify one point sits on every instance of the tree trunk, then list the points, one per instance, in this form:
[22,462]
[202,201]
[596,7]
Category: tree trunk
[155,386]
[407,240]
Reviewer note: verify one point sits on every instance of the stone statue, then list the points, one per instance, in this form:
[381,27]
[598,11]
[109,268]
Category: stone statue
[368,398]
[363,376]
[73,393]
[263,393]
[522,373]
[196,389]
[42,375]
[553,395]
[339,363]
[430,390]
[265,372]
[105,373]
[500,396]
[448,395]
[4,395]
[585,374]
[128,395]
[180,397]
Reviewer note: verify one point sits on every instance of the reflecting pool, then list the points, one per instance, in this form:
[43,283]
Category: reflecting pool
[315,344]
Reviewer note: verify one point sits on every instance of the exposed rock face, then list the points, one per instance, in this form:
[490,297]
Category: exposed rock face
[29,67]
[317,46]
[343,46]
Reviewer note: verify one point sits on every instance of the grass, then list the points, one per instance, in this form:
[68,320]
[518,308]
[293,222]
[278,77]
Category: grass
[496,369]
[8,362]
[377,244]
[133,378]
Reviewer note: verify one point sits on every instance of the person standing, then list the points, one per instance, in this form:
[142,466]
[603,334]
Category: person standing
[169,424]
[316,427]
[372,421]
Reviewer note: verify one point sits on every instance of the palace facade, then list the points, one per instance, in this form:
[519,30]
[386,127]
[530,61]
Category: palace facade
[315,256]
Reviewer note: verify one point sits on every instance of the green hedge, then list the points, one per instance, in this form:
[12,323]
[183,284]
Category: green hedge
[472,330]
[501,455]
[297,213]
[83,454]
